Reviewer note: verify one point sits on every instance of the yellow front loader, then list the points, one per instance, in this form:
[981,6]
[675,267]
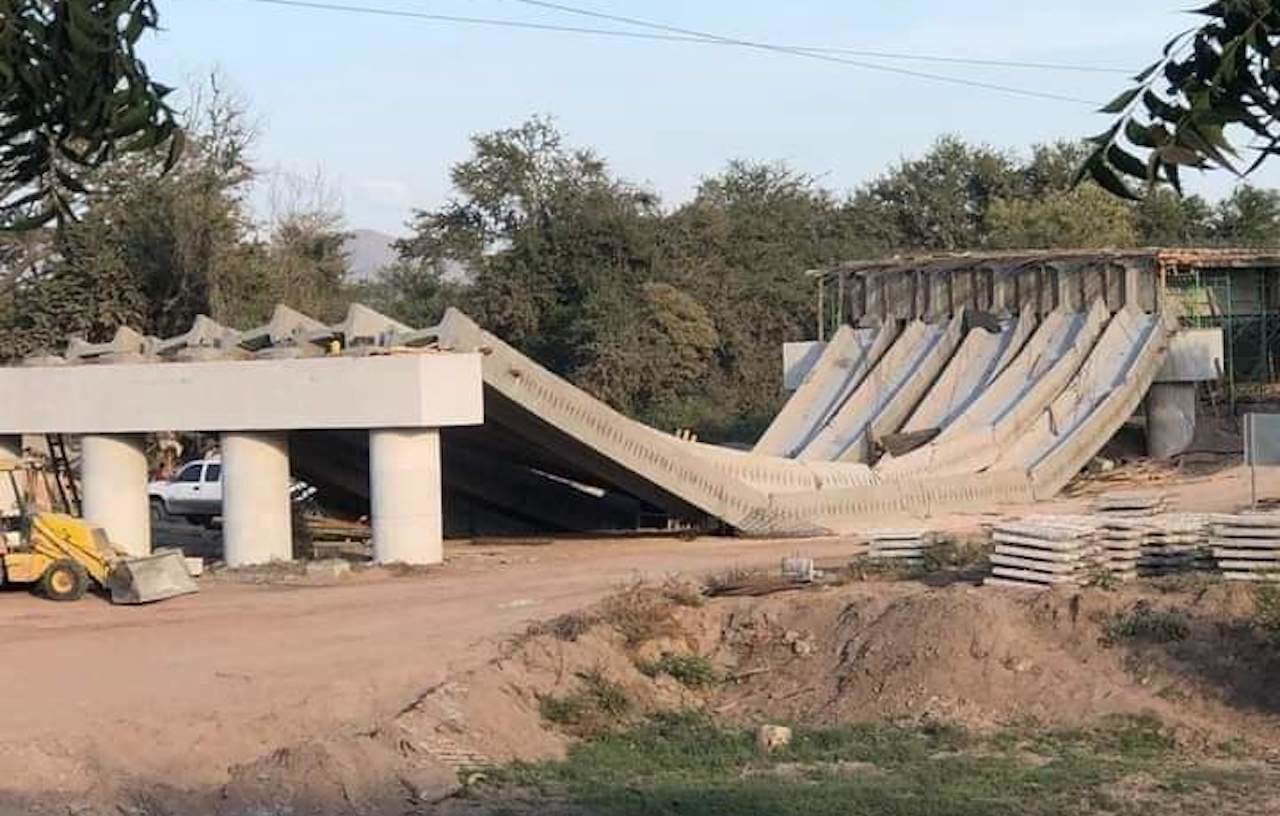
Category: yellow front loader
[61,555]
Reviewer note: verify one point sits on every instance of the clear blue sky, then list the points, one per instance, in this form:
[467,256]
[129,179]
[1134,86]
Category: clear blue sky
[384,106]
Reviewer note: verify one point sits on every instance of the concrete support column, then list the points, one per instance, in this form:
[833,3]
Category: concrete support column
[404,492]
[1171,418]
[257,523]
[113,470]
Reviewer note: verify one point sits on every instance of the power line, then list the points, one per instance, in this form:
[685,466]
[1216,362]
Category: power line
[783,49]
[816,52]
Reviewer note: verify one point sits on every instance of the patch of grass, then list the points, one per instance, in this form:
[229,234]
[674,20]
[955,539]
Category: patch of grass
[683,592]
[879,569]
[567,627]
[640,613]
[1146,624]
[1266,601]
[686,764]
[691,671]
[597,705]
[956,554]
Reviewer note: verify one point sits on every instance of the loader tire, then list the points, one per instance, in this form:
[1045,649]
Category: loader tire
[64,580]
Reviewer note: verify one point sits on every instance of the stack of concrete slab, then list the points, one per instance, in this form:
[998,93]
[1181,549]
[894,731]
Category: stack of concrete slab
[1121,543]
[904,545]
[1175,543]
[1131,504]
[1246,547]
[1042,551]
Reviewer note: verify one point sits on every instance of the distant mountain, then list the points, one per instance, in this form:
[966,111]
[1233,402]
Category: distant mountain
[367,252]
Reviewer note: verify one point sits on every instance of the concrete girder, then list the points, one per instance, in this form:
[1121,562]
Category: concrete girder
[287,327]
[125,345]
[362,327]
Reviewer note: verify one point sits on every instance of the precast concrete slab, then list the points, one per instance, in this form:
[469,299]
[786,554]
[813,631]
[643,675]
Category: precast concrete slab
[978,361]
[844,363]
[913,351]
[1008,406]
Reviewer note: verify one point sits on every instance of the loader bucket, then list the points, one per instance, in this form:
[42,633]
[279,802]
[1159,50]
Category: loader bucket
[150,578]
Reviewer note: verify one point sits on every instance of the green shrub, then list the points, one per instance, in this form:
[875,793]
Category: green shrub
[692,671]
[1146,624]
[597,705]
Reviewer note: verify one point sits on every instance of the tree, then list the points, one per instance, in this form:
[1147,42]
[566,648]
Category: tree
[540,228]
[939,201]
[1081,218]
[1249,217]
[1223,74]
[1164,218]
[73,95]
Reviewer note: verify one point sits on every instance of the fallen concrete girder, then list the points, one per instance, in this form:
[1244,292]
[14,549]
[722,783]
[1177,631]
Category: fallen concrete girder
[841,368]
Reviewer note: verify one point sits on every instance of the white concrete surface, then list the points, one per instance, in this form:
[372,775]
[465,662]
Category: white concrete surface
[404,496]
[1195,355]
[798,359]
[257,526]
[412,390]
[1171,418]
[113,470]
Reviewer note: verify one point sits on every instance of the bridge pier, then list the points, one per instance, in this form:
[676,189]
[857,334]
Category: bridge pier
[257,520]
[404,496]
[113,470]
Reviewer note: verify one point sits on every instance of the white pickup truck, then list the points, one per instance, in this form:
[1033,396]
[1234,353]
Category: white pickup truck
[194,492]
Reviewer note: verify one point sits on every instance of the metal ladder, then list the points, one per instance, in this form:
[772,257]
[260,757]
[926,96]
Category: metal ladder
[64,480]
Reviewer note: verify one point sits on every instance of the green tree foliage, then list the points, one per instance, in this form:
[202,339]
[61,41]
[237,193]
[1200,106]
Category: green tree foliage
[1164,218]
[939,201]
[1223,74]
[73,94]
[1084,217]
[153,249]
[1249,217]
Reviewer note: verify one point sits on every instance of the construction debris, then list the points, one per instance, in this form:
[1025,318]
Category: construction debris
[1131,503]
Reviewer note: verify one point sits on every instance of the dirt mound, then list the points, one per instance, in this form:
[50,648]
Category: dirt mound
[982,658]
[880,651]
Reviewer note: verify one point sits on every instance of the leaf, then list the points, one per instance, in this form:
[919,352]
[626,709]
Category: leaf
[1139,134]
[1121,102]
[1109,181]
[1126,163]
[176,145]
[1148,72]
[1177,154]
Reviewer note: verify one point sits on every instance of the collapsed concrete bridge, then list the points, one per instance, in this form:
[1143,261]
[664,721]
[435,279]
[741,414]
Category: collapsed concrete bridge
[961,401]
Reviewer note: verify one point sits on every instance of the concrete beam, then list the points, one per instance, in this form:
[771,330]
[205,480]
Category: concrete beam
[412,390]
[257,523]
[114,476]
[405,504]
